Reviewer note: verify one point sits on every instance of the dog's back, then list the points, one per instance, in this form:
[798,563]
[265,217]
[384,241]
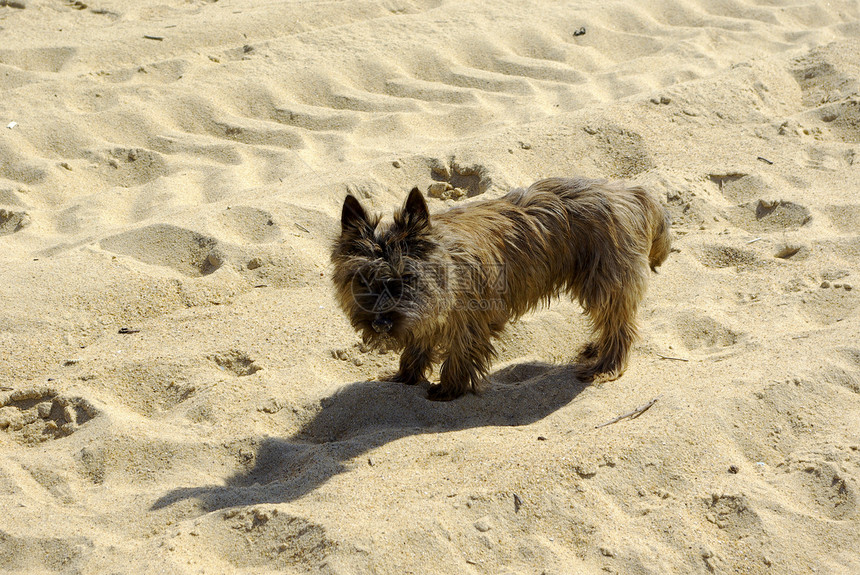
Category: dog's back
[585,200]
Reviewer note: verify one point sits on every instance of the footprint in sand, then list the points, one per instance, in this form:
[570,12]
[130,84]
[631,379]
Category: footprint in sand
[769,216]
[129,167]
[832,302]
[251,225]
[822,489]
[453,179]
[741,188]
[12,221]
[734,514]
[258,537]
[236,362]
[619,152]
[170,246]
[722,256]
[35,415]
[843,119]
[828,157]
[697,330]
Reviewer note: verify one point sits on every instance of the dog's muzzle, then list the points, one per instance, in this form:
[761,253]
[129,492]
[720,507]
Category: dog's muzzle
[382,325]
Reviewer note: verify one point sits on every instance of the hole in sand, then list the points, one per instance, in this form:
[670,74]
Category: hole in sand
[236,362]
[35,415]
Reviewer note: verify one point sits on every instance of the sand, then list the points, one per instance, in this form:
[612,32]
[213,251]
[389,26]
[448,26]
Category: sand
[181,395]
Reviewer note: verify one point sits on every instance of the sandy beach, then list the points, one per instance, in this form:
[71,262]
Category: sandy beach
[180,394]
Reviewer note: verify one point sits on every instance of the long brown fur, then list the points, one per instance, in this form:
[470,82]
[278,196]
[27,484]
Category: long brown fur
[441,287]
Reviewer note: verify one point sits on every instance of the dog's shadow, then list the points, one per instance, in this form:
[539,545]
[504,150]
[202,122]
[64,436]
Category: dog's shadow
[365,415]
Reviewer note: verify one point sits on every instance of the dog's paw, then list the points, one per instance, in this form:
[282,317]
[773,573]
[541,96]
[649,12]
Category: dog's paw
[595,373]
[437,393]
[603,377]
[404,378]
[583,372]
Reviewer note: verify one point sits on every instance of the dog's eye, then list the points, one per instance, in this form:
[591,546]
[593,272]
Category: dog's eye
[407,280]
[393,286]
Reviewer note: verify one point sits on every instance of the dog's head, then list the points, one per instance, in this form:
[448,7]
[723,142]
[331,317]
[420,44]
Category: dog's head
[385,274]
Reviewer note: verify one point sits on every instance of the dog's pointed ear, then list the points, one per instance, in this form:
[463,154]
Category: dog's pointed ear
[415,210]
[353,215]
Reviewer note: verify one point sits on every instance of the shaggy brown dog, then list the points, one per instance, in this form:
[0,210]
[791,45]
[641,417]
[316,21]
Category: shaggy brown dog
[442,287]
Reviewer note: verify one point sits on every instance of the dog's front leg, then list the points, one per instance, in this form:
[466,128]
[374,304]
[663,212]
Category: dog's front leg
[415,362]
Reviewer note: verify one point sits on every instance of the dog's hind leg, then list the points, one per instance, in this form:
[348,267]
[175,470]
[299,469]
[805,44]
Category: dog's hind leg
[614,322]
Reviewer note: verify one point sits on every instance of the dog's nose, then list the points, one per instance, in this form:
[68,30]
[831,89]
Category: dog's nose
[382,325]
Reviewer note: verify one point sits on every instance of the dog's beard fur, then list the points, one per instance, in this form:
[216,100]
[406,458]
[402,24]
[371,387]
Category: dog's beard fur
[442,287]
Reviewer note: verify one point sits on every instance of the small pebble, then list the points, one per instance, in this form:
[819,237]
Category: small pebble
[847,287]
[44,409]
[733,469]
[825,284]
[396,163]
[483,524]
[69,414]
[436,189]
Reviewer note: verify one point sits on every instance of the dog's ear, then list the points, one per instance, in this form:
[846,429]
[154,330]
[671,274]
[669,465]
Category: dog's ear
[415,214]
[353,216]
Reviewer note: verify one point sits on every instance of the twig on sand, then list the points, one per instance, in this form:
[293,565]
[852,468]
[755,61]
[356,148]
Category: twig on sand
[754,240]
[301,227]
[661,356]
[630,414]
